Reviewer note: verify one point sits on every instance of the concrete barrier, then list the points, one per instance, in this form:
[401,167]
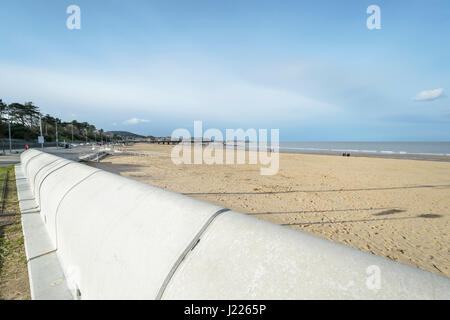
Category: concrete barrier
[93,156]
[117,238]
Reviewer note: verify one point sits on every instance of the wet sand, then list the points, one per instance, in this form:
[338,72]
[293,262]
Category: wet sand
[394,208]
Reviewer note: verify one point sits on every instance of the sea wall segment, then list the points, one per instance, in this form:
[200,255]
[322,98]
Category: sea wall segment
[117,238]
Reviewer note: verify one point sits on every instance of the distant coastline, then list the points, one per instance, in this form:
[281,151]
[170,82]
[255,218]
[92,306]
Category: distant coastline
[430,151]
[435,151]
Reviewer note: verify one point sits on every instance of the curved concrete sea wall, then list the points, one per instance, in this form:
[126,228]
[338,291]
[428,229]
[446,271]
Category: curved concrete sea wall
[117,238]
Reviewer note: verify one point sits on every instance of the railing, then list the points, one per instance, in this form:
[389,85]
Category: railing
[19,145]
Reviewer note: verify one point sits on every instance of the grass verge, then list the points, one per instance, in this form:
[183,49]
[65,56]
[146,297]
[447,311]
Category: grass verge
[14,283]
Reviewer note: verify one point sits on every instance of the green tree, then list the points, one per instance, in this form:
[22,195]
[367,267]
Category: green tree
[17,112]
[31,114]
[3,111]
[25,124]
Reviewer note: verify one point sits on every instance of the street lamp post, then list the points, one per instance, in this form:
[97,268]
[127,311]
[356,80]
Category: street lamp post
[9,130]
[56,126]
[40,125]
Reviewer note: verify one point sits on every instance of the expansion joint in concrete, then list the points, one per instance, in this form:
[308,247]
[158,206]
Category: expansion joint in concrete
[40,169]
[28,162]
[47,175]
[41,255]
[188,249]
[62,199]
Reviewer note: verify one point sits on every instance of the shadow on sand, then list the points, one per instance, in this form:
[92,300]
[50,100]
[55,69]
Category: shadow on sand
[422,216]
[315,191]
[318,211]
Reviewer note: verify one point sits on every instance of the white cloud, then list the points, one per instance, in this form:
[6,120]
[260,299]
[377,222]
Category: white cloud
[136,121]
[428,95]
[165,88]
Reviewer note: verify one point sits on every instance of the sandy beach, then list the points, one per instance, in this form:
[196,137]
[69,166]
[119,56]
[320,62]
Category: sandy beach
[399,209]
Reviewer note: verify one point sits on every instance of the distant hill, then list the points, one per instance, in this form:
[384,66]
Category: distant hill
[124,134]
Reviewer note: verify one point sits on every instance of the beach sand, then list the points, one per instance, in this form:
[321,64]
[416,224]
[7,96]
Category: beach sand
[398,209]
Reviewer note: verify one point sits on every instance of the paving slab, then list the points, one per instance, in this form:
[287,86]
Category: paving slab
[47,281]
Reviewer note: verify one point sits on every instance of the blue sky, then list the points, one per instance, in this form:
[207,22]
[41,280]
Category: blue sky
[310,68]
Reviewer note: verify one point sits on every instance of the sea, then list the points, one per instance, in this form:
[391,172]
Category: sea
[409,150]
